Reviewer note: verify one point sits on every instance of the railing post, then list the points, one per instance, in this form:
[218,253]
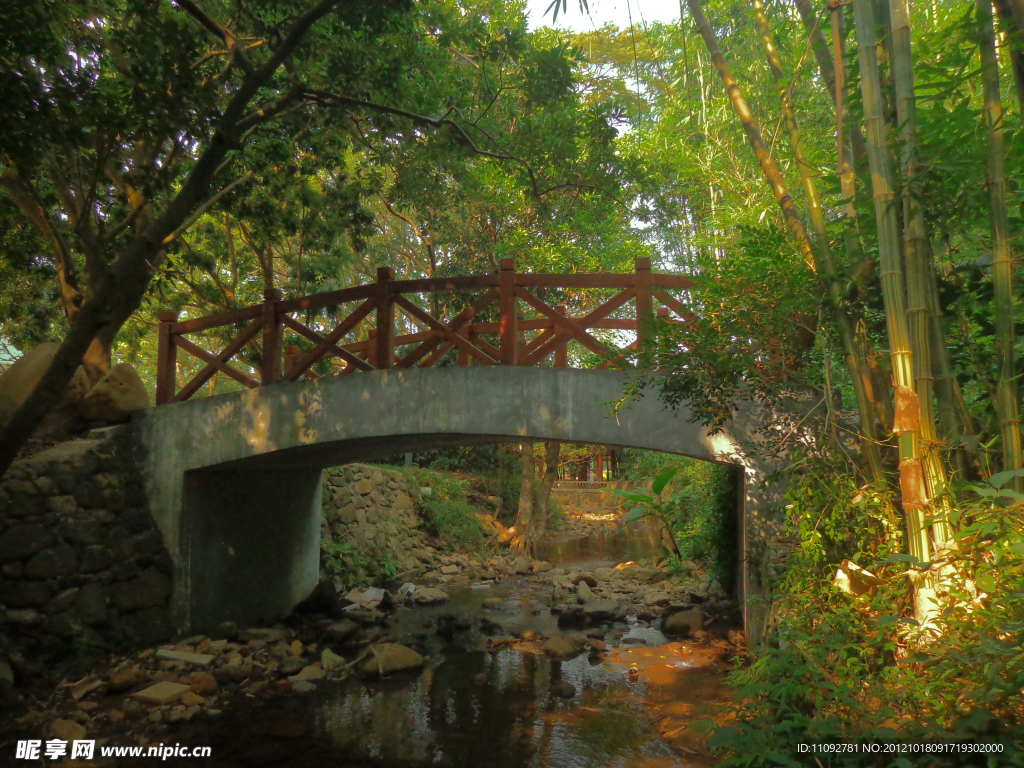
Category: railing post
[644,302]
[385,345]
[291,356]
[507,302]
[562,350]
[270,369]
[166,358]
[371,347]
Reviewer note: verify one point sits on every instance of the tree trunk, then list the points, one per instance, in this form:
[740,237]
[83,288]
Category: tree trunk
[906,422]
[541,505]
[521,542]
[1014,23]
[831,72]
[1002,257]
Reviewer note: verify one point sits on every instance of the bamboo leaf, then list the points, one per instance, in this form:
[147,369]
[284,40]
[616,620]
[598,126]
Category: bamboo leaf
[999,479]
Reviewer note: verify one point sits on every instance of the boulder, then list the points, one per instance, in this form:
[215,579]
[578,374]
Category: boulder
[290,667]
[584,594]
[657,598]
[340,631]
[21,378]
[116,396]
[91,604]
[203,684]
[562,647]
[388,658]
[59,560]
[67,730]
[429,595]
[683,623]
[309,672]
[584,578]
[541,566]
[521,566]
[604,610]
[330,660]
[647,575]
[150,588]
[125,679]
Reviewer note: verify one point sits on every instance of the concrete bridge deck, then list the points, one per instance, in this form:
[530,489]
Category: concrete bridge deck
[233,481]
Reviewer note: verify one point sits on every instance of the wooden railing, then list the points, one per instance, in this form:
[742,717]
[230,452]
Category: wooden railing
[583,485]
[521,339]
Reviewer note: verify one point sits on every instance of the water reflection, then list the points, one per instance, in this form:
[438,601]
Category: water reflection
[478,708]
[633,542]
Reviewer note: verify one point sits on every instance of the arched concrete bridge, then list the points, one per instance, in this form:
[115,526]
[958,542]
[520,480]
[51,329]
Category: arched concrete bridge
[234,480]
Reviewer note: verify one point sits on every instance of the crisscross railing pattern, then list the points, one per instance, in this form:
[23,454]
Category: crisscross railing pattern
[523,329]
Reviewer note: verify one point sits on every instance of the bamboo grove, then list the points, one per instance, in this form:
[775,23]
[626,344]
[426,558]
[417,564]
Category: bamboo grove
[886,298]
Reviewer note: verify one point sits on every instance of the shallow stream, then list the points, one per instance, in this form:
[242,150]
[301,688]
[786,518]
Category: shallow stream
[474,706]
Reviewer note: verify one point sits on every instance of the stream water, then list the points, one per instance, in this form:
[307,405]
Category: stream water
[474,706]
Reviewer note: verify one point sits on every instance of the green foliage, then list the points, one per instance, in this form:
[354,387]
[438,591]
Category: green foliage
[444,509]
[699,505]
[388,566]
[756,337]
[838,667]
[556,515]
[340,559]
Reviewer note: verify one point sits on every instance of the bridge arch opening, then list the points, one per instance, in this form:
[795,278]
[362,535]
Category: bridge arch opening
[234,480]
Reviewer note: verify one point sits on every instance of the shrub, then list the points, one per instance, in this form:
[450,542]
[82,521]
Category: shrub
[444,509]
[700,507]
[339,559]
[842,668]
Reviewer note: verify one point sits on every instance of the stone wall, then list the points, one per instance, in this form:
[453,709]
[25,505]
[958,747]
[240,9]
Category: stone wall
[373,511]
[80,555]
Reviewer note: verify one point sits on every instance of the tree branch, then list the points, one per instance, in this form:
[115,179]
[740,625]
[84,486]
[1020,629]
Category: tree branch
[26,198]
[225,34]
[204,208]
[326,97]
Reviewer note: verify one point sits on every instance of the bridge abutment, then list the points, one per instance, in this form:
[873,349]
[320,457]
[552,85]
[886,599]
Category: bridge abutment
[250,545]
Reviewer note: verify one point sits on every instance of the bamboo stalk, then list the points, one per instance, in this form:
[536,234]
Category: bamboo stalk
[830,68]
[739,103]
[918,256]
[828,274]
[1002,260]
[850,155]
[892,282]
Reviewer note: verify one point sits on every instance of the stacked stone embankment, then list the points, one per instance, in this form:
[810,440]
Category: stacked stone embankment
[372,510]
[80,554]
